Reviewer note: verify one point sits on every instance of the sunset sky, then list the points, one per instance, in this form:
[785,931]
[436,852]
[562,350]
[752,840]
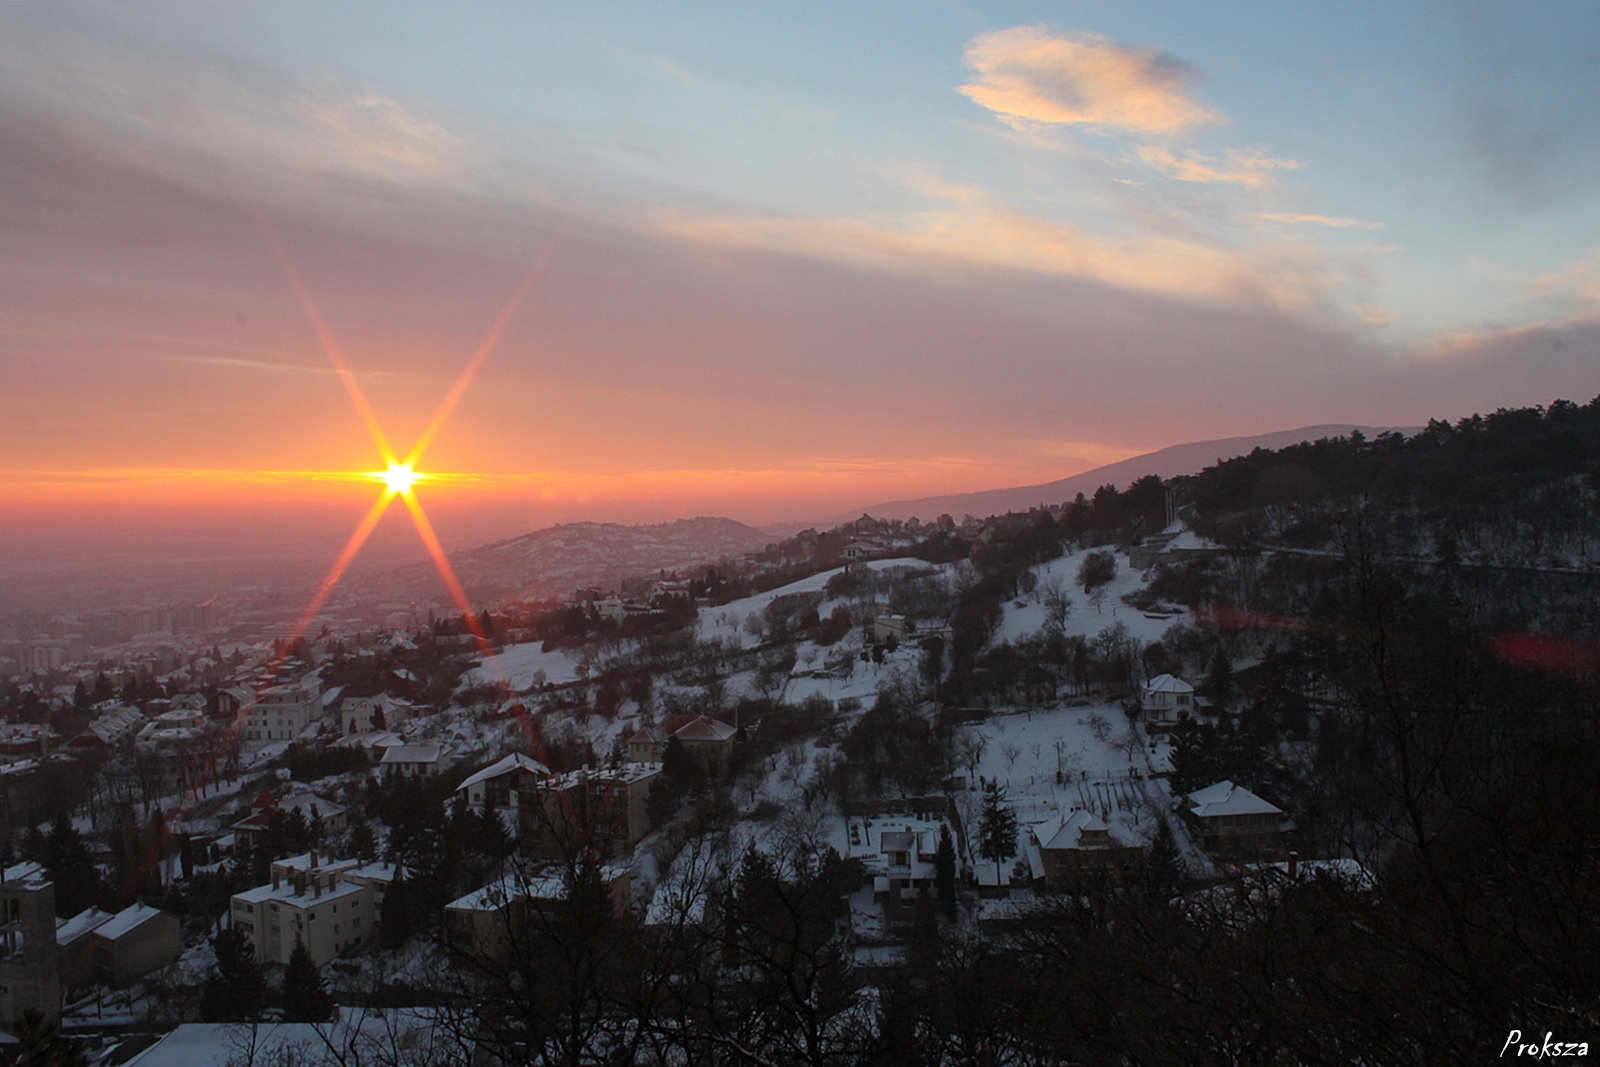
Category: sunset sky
[789,259]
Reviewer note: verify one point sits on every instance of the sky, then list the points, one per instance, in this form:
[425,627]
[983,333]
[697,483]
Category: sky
[774,261]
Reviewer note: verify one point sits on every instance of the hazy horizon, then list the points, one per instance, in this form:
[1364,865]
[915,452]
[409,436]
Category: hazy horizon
[764,264]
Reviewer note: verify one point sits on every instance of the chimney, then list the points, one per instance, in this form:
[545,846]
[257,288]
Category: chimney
[313,859]
[277,879]
[299,883]
[1294,864]
[316,886]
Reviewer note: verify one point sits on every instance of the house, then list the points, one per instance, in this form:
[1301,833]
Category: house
[1078,841]
[1228,816]
[889,627]
[377,740]
[75,948]
[503,784]
[110,729]
[485,924]
[231,700]
[413,761]
[332,908]
[21,740]
[30,975]
[363,715]
[135,941]
[710,741]
[1166,700]
[855,551]
[281,713]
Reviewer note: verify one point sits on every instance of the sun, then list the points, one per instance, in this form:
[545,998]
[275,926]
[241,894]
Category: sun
[399,478]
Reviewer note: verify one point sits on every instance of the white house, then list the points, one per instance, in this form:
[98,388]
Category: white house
[281,712]
[503,784]
[1167,700]
[413,761]
[362,715]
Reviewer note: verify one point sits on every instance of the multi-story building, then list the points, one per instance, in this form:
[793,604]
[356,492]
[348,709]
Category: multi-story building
[281,713]
[332,908]
[30,978]
[604,811]
[1230,817]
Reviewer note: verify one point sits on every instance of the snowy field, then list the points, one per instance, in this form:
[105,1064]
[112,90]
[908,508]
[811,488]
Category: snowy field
[1085,621]
[524,667]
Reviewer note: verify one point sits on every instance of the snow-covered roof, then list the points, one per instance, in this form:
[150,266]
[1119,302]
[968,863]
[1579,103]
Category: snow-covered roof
[126,920]
[1225,798]
[705,728]
[1067,832]
[1167,683]
[285,893]
[22,872]
[410,754]
[69,930]
[304,802]
[517,761]
[375,739]
[896,841]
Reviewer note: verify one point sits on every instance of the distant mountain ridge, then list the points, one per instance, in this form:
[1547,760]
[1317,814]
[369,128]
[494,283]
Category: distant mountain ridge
[558,559]
[1167,463]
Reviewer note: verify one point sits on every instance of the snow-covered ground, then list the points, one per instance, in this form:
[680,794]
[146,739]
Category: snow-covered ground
[1085,621]
[524,667]
[1053,761]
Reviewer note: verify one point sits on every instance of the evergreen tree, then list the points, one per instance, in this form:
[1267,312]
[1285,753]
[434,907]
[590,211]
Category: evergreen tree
[997,828]
[1164,869]
[1219,680]
[394,917]
[944,870]
[363,845]
[236,993]
[305,995]
[67,861]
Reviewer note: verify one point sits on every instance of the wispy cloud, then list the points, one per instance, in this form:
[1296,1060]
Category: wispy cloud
[1232,168]
[1330,221]
[376,127]
[1576,284]
[1030,75]
[978,228]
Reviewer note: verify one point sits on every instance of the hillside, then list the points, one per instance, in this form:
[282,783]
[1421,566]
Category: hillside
[1167,463]
[559,559]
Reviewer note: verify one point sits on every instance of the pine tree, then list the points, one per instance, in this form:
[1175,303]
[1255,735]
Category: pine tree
[363,845]
[236,993]
[394,917]
[305,995]
[997,829]
[1164,869]
[1219,680]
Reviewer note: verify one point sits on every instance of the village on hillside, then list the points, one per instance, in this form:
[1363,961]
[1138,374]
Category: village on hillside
[943,724]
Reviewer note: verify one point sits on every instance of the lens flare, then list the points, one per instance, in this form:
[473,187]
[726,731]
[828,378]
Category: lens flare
[400,478]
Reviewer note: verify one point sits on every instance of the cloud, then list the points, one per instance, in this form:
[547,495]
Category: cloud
[977,228]
[1318,220]
[376,127]
[1575,285]
[1029,75]
[1234,168]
